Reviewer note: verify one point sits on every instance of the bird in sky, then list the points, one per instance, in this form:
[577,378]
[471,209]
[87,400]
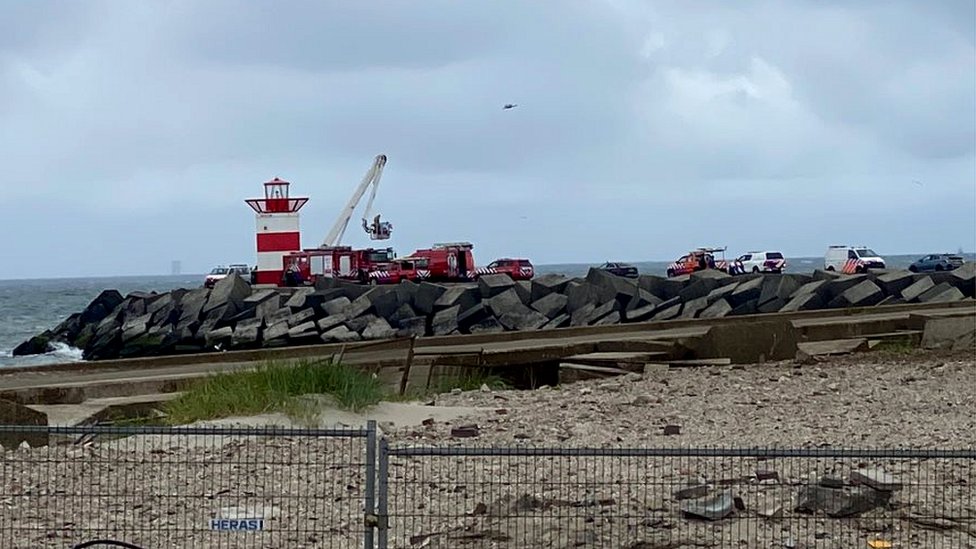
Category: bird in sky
[509,106]
[917,182]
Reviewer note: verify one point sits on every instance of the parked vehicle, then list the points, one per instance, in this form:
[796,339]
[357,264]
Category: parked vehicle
[517,269]
[415,269]
[341,262]
[220,272]
[936,262]
[620,269]
[448,261]
[852,259]
[698,260]
[762,262]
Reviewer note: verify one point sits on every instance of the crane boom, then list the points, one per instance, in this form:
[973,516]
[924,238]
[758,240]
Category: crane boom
[372,178]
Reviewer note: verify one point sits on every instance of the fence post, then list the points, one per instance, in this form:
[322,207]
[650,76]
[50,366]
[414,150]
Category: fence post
[369,511]
[407,366]
[383,519]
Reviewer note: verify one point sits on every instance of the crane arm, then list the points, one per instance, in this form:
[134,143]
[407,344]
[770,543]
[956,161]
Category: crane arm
[372,177]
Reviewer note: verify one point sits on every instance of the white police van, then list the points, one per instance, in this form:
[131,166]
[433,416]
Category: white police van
[852,259]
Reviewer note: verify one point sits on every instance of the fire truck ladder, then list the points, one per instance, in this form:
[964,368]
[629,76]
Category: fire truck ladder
[377,230]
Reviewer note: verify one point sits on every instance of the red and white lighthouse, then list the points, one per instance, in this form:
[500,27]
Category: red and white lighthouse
[277,229]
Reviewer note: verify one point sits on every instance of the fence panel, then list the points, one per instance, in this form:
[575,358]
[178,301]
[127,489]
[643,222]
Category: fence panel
[208,487]
[462,497]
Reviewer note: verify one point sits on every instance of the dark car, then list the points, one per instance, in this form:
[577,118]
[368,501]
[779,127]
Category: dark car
[936,262]
[619,269]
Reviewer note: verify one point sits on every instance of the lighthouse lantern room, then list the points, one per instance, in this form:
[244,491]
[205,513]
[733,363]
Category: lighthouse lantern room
[277,229]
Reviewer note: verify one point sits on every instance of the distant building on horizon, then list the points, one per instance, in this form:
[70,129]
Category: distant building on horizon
[176,267]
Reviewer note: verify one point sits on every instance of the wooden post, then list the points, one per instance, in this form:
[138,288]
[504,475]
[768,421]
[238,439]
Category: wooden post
[407,366]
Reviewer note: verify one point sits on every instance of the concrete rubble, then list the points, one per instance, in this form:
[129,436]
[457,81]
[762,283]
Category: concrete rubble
[232,315]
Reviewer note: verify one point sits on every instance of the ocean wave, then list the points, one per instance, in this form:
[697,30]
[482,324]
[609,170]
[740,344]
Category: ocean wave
[62,353]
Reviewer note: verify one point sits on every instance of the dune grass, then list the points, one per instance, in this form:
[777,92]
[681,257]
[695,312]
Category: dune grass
[273,387]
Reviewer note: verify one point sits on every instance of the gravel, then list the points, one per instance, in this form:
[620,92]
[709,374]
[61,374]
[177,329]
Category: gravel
[163,491]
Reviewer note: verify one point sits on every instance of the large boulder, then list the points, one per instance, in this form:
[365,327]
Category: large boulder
[266,302]
[462,296]
[36,345]
[412,327]
[295,302]
[777,289]
[247,334]
[488,325]
[493,284]
[747,291]
[379,328]
[912,292]
[582,295]
[522,318]
[612,286]
[548,284]
[816,287]
[473,315]
[387,302]
[964,278]
[942,293]
[717,309]
[101,306]
[524,290]
[551,305]
[693,307]
[340,334]
[803,302]
[191,307]
[503,302]
[560,321]
[863,294]
[953,333]
[894,282]
[229,291]
[336,305]
[426,296]
[841,284]
[664,288]
[445,321]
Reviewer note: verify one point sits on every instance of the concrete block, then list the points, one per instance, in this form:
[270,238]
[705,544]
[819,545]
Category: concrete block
[820,274]
[386,303]
[957,334]
[522,318]
[340,334]
[219,337]
[816,287]
[358,307]
[642,298]
[964,278]
[669,312]
[276,330]
[301,330]
[247,334]
[613,317]
[445,321]
[664,288]
[331,321]
[336,306]
[359,323]
[230,290]
[722,292]
[894,282]
[863,294]
[839,502]
[803,302]
[301,317]
[426,296]
[493,284]
[378,328]
[911,293]
[416,326]
[711,274]
[942,293]
[745,292]
[718,309]
[462,296]
[524,290]
[106,302]
[503,302]
[191,306]
[295,302]
[551,305]
[488,325]
[473,316]
[698,289]
[841,284]
[746,343]
[402,312]
[777,287]
[772,306]
[612,286]
[548,284]
[560,321]
[693,307]
[714,508]
[582,295]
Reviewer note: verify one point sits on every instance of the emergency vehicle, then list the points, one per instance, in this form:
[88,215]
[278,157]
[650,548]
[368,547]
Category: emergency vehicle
[448,261]
[415,269]
[517,269]
[699,260]
[341,262]
[852,259]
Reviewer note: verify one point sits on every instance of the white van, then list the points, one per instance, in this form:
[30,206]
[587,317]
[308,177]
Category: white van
[852,259]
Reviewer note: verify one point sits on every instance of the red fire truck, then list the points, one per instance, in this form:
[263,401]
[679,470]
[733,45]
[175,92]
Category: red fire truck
[448,261]
[302,268]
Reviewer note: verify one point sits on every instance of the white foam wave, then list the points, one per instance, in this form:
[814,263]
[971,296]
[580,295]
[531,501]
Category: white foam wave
[61,353]
[65,352]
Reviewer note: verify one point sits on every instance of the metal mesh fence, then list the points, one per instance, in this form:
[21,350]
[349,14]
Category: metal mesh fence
[672,498]
[159,487]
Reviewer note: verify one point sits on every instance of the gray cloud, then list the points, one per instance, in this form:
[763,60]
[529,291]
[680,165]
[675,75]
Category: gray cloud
[643,129]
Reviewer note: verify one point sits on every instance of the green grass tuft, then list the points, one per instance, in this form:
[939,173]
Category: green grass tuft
[273,387]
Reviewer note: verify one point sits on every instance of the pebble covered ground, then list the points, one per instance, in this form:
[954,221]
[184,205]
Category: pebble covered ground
[163,491]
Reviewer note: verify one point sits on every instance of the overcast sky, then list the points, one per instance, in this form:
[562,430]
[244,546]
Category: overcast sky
[132,132]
